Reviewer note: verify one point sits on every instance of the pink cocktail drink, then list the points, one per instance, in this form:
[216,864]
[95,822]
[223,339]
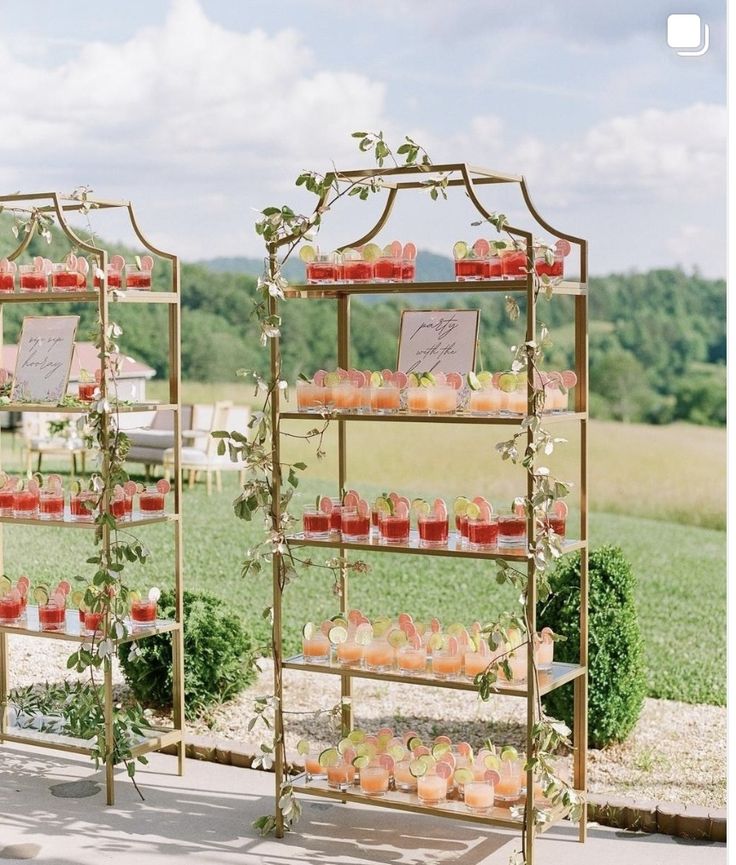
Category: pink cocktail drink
[11,607]
[379,656]
[143,612]
[65,280]
[345,397]
[408,270]
[410,660]
[341,776]
[374,780]
[495,268]
[51,505]
[313,768]
[470,269]
[387,269]
[508,788]
[92,621]
[151,502]
[556,523]
[138,280]
[386,399]
[394,528]
[433,530]
[6,502]
[513,263]
[511,531]
[431,789]
[316,649]
[479,796]
[86,390]
[52,616]
[544,651]
[403,778]
[417,400]
[553,269]
[446,664]
[442,399]
[114,278]
[354,526]
[349,654]
[336,516]
[324,269]
[316,524]
[483,533]
[7,282]
[25,504]
[33,280]
[357,270]
[461,527]
[487,401]
[83,506]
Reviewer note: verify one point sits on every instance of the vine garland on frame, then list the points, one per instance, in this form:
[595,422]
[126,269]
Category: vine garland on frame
[282,229]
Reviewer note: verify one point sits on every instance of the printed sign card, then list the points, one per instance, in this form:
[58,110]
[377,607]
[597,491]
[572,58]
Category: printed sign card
[44,358]
[442,340]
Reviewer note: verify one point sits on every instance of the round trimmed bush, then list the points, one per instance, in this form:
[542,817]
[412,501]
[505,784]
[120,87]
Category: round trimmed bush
[217,658]
[616,677]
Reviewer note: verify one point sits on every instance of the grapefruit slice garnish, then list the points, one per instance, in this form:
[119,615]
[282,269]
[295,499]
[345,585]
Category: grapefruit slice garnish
[518,507]
[33,486]
[444,770]
[481,247]
[364,509]
[351,499]
[492,777]
[319,377]
[325,505]
[454,379]
[117,262]
[356,377]
[396,249]
[435,625]
[560,508]
[569,379]
[146,263]
[64,587]
[440,509]
[402,509]
[410,251]
[401,379]
[563,247]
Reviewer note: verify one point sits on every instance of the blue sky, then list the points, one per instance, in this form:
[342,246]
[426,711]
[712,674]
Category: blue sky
[202,112]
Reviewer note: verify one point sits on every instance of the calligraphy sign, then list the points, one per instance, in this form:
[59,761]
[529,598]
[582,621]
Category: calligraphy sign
[44,358]
[440,340]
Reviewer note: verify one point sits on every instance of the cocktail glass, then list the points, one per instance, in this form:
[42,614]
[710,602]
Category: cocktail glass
[312,766]
[86,390]
[355,268]
[483,532]
[394,528]
[11,607]
[555,400]
[495,268]
[442,399]
[461,527]
[417,400]
[471,269]
[316,649]
[78,506]
[508,788]
[316,523]
[544,652]
[311,397]
[32,279]
[349,654]
[378,656]
[403,779]
[25,504]
[151,502]
[52,616]
[488,400]
[143,612]
[65,280]
[137,279]
[553,269]
[344,396]
[324,269]
[51,505]
[385,399]
[516,401]
[433,530]
[92,621]
[336,516]
[431,789]
[408,270]
[474,663]
[374,780]
[388,268]
[6,501]
[354,526]
[511,531]
[556,523]
[410,660]
[7,276]
[478,796]
[446,664]
[341,776]
[114,278]
[513,263]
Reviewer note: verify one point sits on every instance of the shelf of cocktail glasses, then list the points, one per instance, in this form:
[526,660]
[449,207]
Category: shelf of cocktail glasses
[453,548]
[452,808]
[155,739]
[504,286]
[73,632]
[83,408]
[67,523]
[114,296]
[549,680]
[406,417]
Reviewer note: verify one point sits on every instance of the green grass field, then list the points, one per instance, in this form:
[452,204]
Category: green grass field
[680,568]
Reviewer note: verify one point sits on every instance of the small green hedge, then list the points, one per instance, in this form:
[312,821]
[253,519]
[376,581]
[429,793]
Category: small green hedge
[217,660]
[617,682]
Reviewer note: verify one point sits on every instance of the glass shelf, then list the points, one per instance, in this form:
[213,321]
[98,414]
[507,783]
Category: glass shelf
[405,417]
[504,286]
[73,633]
[559,675]
[83,408]
[113,296]
[68,523]
[155,739]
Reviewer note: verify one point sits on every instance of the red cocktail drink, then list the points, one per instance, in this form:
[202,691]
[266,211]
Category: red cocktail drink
[67,280]
[355,526]
[357,271]
[78,506]
[513,263]
[114,279]
[52,616]
[552,269]
[394,529]
[511,531]
[469,269]
[336,516]
[316,524]
[140,280]
[151,503]
[92,621]
[6,502]
[433,530]
[86,390]
[556,523]
[408,270]
[32,280]
[461,526]
[25,504]
[11,607]
[143,611]
[388,270]
[7,282]
[483,533]
[319,272]
[495,268]
[51,505]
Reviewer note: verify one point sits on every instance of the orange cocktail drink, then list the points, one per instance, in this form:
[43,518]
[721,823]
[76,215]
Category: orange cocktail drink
[403,778]
[445,664]
[374,780]
[431,789]
[410,660]
[341,776]
[379,656]
[316,649]
[417,400]
[479,796]
[349,654]
[386,399]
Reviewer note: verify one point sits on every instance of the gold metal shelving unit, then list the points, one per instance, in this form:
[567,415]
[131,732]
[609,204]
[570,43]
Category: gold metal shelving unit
[468,178]
[59,206]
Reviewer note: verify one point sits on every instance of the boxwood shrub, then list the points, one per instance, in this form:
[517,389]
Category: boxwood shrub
[217,656]
[616,677]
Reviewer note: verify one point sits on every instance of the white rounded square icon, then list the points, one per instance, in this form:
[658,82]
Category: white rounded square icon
[684,30]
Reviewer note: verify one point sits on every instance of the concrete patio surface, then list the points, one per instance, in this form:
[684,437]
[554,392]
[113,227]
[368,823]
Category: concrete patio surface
[52,811]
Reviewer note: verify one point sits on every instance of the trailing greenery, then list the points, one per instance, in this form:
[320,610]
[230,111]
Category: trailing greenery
[617,682]
[217,649]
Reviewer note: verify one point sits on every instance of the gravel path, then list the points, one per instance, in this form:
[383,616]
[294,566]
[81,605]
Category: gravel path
[677,752]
